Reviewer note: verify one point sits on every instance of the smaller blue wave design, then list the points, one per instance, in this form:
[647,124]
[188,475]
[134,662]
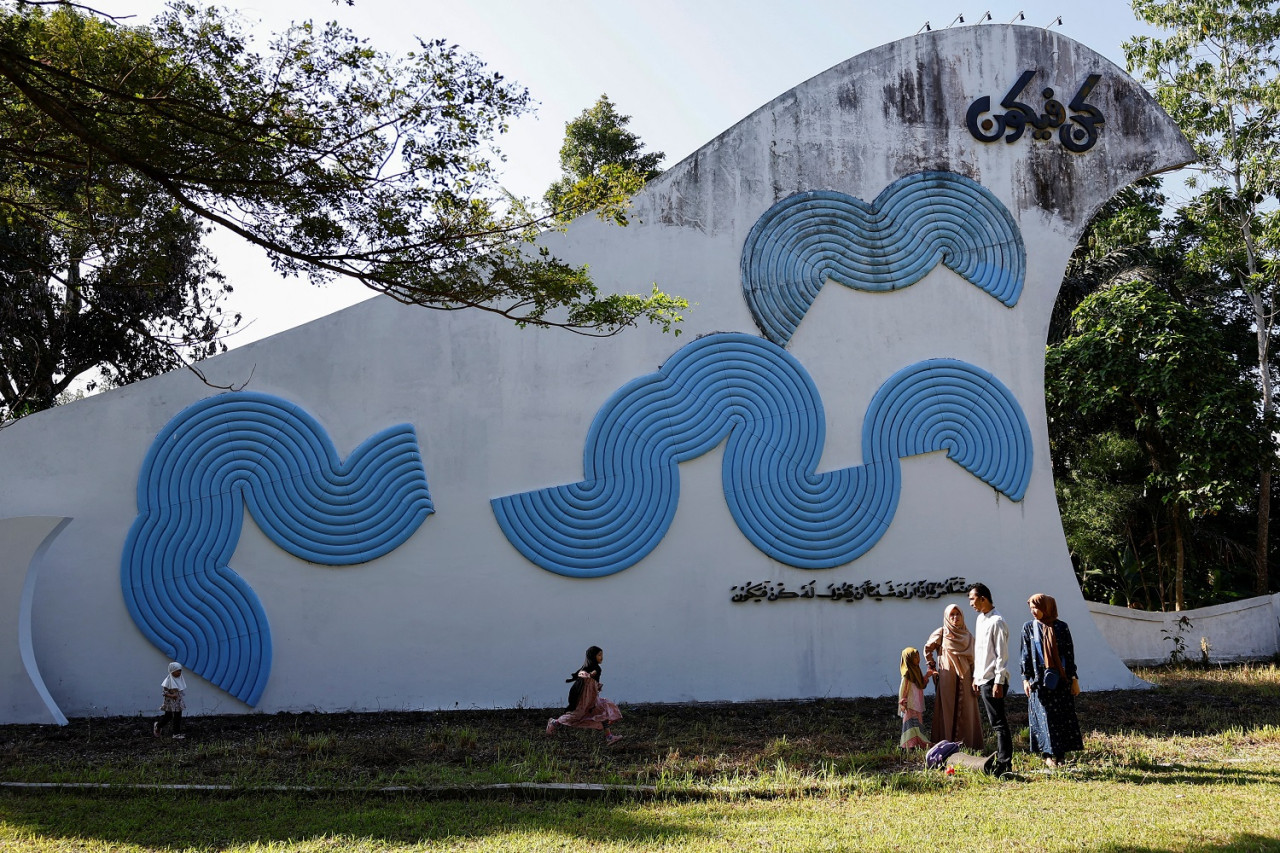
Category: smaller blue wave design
[916,223]
[254,450]
[762,400]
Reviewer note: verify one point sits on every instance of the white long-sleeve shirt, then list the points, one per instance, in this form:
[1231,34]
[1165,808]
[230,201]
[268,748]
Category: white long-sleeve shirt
[991,649]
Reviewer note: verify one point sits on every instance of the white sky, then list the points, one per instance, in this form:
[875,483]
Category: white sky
[685,72]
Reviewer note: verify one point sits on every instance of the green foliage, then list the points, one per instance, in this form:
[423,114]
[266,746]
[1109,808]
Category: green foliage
[1143,383]
[102,276]
[1217,73]
[1137,354]
[1176,636]
[1102,499]
[334,157]
[602,165]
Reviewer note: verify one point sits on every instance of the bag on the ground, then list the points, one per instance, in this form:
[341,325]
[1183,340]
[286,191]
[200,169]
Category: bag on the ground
[939,753]
[977,763]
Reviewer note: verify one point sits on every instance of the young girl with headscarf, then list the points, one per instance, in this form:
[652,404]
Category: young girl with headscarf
[173,687]
[911,701]
[1049,679]
[955,705]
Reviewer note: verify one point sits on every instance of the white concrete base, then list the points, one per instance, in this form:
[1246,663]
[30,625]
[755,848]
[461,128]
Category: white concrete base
[1241,630]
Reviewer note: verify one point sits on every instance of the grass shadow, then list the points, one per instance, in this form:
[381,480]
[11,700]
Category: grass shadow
[181,821]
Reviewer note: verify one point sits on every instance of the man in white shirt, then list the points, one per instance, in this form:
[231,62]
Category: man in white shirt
[991,671]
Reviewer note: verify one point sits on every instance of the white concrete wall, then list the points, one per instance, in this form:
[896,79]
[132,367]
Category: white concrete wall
[456,617]
[1241,630]
[23,695]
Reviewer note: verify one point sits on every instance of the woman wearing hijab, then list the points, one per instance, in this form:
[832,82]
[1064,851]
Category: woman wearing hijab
[1049,679]
[955,705]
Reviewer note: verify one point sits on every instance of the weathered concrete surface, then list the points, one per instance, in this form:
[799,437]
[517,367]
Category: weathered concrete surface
[1239,630]
[456,616]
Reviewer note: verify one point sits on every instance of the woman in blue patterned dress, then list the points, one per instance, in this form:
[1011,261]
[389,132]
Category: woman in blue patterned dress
[1049,680]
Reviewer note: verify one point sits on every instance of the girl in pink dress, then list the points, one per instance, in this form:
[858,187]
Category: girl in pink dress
[911,701]
[587,709]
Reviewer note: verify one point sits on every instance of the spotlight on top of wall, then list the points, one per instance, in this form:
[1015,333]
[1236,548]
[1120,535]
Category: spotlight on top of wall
[986,16]
[1017,17]
[959,20]
[926,28]
[1056,22]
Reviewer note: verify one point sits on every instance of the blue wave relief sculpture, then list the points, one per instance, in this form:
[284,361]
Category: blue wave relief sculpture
[916,223]
[260,452]
[760,397]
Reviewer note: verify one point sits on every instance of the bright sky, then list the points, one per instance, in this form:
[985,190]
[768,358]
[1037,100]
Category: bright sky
[685,71]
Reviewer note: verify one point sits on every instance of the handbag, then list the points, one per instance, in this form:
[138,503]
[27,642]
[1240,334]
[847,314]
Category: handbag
[1051,680]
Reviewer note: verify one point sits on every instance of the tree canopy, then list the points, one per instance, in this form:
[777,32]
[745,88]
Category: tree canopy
[334,157]
[1154,425]
[113,285]
[600,160]
[1142,376]
[1217,73]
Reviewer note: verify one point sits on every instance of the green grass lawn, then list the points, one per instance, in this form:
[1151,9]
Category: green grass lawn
[1190,765]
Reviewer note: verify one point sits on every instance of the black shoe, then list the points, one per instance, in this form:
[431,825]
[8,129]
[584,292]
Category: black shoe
[1000,769]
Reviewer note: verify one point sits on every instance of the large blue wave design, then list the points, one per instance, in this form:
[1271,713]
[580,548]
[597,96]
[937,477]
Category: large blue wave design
[761,398]
[258,451]
[916,223]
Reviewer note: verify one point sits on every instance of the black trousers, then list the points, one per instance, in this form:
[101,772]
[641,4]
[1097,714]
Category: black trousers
[999,724]
[171,717]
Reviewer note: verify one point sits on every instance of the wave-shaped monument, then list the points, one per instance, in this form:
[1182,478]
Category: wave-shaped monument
[916,223]
[261,453]
[760,397]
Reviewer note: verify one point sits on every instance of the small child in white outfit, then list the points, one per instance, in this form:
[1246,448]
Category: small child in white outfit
[174,686]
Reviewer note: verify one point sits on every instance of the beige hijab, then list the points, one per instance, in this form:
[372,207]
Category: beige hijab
[957,640]
[909,666]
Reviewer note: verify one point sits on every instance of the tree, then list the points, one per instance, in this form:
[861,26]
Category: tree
[335,158]
[116,285]
[1217,75]
[600,160]
[1140,367]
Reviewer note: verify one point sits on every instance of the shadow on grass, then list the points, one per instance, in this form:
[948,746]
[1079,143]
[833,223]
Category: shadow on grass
[1245,842]
[179,821]
[1181,774]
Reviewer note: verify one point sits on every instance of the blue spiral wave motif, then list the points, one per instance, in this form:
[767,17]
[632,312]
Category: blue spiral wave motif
[916,223]
[761,398]
[260,452]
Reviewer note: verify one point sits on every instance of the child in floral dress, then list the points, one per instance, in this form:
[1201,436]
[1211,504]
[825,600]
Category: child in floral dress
[911,701]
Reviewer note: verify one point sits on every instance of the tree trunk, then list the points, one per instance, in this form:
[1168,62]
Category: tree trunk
[1263,320]
[1262,323]
[1180,564]
[1262,580]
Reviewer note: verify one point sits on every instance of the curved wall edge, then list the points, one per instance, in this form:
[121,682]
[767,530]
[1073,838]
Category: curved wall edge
[18,537]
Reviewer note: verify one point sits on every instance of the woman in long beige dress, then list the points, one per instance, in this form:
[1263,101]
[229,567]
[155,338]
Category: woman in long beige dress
[949,653]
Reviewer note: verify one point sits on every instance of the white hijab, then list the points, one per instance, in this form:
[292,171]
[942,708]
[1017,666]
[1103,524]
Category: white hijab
[171,683]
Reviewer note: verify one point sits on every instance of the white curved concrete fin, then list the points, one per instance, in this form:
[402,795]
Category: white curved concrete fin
[901,108]
[23,542]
